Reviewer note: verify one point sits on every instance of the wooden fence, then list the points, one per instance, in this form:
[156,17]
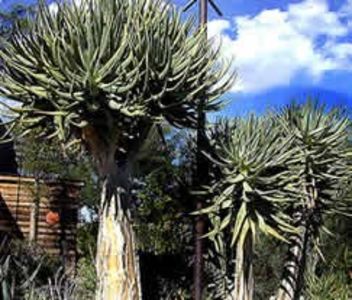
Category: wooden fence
[43,212]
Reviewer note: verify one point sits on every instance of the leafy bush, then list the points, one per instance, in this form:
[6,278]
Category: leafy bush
[27,272]
[22,267]
[329,286]
[87,240]
[59,287]
[86,278]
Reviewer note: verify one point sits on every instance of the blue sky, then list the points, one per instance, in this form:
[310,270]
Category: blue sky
[286,50]
[283,50]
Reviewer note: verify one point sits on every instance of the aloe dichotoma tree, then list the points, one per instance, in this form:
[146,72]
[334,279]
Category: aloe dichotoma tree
[101,73]
[250,195]
[319,172]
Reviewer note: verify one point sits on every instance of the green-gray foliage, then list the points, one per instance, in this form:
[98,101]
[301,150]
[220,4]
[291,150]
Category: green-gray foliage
[321,163]
[271,168]
[319,179]
[323,147]
[115,66]
[251,193]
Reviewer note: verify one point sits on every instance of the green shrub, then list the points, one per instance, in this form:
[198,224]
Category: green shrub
[86,278]
[23,266]
[329,286]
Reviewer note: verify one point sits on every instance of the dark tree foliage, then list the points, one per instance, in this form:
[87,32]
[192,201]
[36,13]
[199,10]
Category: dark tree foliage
[15,17]
[10,20]
[8,164]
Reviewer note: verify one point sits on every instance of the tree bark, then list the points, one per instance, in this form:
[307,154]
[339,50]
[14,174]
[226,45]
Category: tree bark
[244,281]
[117,262]
[198,268]
[293,274]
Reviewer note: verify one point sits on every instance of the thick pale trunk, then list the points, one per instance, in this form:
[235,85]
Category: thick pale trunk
[291,283]
[244,281]
[293,276]
[117,262]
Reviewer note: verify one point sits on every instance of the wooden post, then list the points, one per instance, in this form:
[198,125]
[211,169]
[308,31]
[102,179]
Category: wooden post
[33,219]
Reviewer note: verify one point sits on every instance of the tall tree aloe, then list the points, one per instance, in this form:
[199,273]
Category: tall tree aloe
[319,171]
[101,74]
[251,194]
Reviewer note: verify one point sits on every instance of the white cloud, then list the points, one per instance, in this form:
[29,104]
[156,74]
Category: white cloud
[53,7]
[313,17]
[216,27]
[274,46]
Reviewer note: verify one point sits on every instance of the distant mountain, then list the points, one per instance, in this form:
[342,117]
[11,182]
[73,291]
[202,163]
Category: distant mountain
[242,104]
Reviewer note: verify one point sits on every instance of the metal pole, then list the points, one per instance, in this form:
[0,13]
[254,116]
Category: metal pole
[201,173]
[203,12]
[202,170]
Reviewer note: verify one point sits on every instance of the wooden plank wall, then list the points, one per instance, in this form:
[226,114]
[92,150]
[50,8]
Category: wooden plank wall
[24,208]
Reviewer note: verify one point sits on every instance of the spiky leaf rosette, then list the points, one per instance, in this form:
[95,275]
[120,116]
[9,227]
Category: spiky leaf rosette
[250,195]
[321,165]
[112,66]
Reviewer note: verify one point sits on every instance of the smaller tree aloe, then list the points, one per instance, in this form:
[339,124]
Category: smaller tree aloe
[251,193]
[319,172]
